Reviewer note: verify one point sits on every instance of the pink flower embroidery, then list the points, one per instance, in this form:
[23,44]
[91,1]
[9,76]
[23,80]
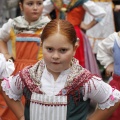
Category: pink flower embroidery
[7,83]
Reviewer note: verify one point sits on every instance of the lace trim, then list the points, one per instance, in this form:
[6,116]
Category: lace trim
[9,92]
[114,98]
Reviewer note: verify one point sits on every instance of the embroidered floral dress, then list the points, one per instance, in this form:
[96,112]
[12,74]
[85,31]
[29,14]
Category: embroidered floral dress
[67,98]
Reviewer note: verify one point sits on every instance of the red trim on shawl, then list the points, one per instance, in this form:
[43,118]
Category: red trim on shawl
[78,82]
[75,86]
[25,76]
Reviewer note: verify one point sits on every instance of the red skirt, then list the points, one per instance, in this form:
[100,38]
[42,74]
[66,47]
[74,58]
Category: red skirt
[116,84]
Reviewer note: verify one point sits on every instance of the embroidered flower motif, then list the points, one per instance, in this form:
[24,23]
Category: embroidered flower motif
[112,98]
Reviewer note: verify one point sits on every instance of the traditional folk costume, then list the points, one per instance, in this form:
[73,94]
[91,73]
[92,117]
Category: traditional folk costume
[97,33]
[67,98]
[109,52]
[74,11]
[25,41]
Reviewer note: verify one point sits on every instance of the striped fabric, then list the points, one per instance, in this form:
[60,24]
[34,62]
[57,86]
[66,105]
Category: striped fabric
[28,37]
[43,107]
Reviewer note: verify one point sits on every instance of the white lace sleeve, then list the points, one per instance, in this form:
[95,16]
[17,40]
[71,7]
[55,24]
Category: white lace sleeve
[101,92]
[95,10]
[13,87]
[5,31]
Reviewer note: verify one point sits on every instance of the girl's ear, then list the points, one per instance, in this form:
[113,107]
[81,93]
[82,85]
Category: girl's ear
[76,46]
[21,6]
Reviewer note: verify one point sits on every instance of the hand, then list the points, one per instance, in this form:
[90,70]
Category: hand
[117,8]
[109,70]
[7,56]
[83,26]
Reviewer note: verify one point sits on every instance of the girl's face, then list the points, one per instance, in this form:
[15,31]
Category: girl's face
[32,9]
[57,53]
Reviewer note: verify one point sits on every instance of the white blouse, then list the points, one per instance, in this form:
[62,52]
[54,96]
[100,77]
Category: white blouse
[6,67]
[105,49]
[101,92]
[6,28]
[96,11]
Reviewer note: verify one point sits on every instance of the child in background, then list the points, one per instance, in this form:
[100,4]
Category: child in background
[24,33]
[57,87]
[109,56]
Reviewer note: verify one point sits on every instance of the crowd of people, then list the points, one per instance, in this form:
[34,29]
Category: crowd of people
[52,72]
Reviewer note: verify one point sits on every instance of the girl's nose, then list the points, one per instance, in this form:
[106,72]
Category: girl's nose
[35,6]
[55,55]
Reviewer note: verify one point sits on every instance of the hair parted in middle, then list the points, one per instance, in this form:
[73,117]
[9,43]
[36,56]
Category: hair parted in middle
[59,26]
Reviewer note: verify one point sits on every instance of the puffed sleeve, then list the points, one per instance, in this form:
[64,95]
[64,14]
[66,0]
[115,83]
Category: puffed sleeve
[13,87]
[105,50]
[101,92]
[5,31]
[47,7]
[95,10]
[6,67]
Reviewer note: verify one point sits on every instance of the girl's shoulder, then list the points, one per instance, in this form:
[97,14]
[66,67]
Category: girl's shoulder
[8,24]
[18,20]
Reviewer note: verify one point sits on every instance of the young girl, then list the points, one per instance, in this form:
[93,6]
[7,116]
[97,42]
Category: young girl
[109,56]
[57,87]
[74,12]
[24,33]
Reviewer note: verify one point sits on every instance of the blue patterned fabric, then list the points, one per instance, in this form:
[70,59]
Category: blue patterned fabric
[30,39]
[116,54]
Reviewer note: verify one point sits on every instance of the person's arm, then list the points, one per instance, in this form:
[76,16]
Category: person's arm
[11,87]
[88,26]
[107,98]
[12,90]
[103,114]
[6,68]
[117,8]
[4,38]
[4,49]
[16,106]
[105,53]
[109,69]
[96,11]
